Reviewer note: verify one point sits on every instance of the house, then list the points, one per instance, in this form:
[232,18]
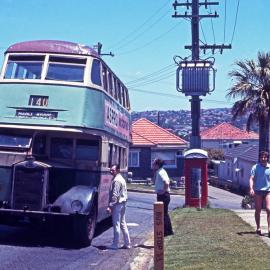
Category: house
[237,165]
[150,141]
[226,135]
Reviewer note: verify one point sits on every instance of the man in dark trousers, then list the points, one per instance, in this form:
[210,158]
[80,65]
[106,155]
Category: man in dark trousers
[162,188]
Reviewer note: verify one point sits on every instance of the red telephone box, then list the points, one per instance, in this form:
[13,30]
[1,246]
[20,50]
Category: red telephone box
[196,184]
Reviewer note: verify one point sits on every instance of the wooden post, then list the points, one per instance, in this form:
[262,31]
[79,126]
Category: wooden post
[158,236]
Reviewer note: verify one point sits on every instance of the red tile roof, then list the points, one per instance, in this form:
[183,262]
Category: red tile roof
[144,132]
[228,132]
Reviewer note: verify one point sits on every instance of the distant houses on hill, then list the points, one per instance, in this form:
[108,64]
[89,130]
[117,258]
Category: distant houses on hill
[225,135]
[179,122]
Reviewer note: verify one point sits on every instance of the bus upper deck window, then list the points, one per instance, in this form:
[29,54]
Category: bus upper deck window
[104,77]
[95,72]
[24,67]
[66,69]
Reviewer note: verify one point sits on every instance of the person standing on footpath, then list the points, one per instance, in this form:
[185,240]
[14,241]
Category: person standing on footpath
[162,188]
[117,207]
[259,185]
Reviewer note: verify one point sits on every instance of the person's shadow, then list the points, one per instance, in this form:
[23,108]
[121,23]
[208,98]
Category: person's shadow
[246,233]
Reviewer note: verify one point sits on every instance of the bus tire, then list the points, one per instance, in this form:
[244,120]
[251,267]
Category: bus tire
[84,229]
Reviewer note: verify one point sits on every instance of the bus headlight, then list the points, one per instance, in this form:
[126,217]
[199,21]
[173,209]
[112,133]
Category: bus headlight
[76,206]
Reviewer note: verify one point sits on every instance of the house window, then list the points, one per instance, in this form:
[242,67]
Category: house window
[134,159]
[168,157]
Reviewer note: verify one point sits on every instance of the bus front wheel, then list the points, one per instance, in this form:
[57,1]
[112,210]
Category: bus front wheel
[84,228]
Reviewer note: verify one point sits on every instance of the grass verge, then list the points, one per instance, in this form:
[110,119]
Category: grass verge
[213,239]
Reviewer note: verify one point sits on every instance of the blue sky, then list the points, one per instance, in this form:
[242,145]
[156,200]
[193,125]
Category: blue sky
[144,38]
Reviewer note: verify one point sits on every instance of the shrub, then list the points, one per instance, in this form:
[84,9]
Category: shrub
[248,202]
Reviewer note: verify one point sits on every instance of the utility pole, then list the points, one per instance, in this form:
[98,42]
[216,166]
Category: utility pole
[195,140]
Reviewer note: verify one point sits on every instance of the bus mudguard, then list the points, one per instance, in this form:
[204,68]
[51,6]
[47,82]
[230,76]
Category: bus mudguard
[78,199]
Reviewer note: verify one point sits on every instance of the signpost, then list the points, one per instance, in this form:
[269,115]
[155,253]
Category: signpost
[158,236]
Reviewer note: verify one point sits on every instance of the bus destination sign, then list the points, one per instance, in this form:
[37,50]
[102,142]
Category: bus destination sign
[36,114]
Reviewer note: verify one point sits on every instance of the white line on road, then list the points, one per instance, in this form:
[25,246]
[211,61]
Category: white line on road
[133,224]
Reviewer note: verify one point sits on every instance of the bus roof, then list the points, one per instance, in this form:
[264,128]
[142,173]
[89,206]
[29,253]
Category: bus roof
[51,46]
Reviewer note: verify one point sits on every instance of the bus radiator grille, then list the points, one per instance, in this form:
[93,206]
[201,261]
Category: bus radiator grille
[28,189]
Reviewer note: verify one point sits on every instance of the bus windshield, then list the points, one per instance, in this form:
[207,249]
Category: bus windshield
[15,141]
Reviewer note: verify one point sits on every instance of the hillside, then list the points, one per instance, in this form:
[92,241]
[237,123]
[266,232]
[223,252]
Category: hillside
[179,122]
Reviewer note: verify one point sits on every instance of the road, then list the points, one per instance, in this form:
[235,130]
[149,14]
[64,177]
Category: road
[31,249]
[220,198]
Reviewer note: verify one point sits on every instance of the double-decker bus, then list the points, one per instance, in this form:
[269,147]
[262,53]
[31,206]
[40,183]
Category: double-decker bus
[64,119]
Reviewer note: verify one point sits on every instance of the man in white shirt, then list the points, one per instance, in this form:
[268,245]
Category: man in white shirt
[162,188]
[117,206]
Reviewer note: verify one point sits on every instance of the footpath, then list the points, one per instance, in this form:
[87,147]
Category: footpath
[248,216]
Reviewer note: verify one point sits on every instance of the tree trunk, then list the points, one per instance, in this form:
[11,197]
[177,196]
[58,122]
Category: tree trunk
[264,133]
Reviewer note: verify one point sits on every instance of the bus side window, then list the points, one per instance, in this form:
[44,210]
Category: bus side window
[127,99]
[119,92]
[116,155]
[110,83]
[95,72]
[122,100]
[125,96]
[110,155]
[120,157]
[125,158]
[115,88]
[104,78]
[113,154]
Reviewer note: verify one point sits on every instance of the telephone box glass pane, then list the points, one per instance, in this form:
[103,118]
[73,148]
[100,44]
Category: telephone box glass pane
[195,183]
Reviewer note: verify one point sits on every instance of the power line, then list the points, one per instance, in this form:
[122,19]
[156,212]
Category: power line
[235,21]
[205,42]
[117,44]
[153,74]
[160,78]
[144,32]
[212,26]
[150,42]
[177,96]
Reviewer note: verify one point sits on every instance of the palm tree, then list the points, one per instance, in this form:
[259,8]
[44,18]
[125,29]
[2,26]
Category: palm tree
[251,85]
